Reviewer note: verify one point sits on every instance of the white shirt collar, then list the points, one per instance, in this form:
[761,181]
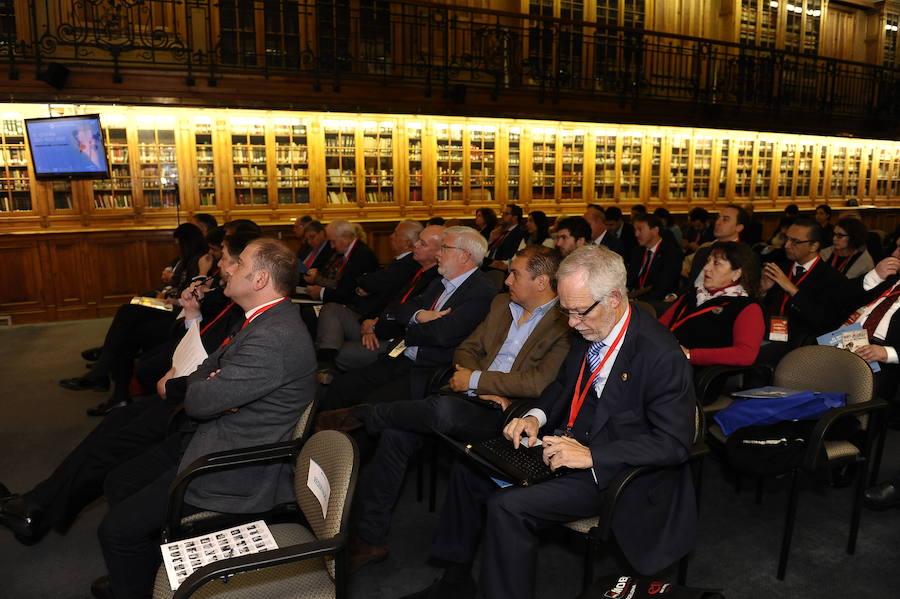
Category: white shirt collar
[255,308]
[599,238]
[403,255]
[607,341]
[806,266]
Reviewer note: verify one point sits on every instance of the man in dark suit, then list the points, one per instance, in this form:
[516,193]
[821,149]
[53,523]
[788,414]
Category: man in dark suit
[514,353]
[637,410]
[624,231]
[512,232]
[340,321]
[55,502]
[729,226]
[336,281]
[316,249]
[248,392]
[804,297]
[655,266]
[596,217]
[432,325]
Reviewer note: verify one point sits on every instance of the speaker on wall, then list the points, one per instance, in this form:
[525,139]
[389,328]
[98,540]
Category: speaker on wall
[55,75]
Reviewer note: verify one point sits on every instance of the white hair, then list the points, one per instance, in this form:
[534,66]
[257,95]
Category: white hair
[602,270]
[470,240]
[409,229]
[342,228]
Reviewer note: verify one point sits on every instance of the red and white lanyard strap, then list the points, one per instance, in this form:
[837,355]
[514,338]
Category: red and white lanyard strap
[252,317]
[681,321]
[798,282]
[214,320]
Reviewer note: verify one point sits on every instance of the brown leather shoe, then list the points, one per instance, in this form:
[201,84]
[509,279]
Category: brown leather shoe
[344,419]
[361,553]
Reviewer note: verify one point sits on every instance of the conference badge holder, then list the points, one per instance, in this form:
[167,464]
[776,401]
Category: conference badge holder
[778,329]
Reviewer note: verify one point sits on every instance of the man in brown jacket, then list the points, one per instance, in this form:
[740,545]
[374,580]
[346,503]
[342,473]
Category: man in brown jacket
[514,353]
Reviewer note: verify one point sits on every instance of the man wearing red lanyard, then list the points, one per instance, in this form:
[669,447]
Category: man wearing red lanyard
[352,258]
[655,265]
[623,397]
[248,392]
[804,297]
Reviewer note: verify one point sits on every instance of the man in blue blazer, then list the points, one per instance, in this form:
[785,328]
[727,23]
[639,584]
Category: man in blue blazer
[637,410]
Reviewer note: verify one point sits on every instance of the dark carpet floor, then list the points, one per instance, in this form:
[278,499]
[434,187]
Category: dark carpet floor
[736,551]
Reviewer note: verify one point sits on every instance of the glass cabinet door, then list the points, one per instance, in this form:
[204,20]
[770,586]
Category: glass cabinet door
[115,192]
[449,162]
[378,158]
[206,172]
[572,177]
[763,174]
[513,164]
[743,172]
[804,169]
[414,157]
[543,164]
[721,187]
[855,182]
[838,165]
[248,160]
[630,167]
[701,169]
[340,162]
[159,167]
[482,159]
[679,164]
[291,162]
[605,166]
[15,185]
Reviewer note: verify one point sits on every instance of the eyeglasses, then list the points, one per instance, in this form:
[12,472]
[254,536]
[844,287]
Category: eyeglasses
[576,313]
[451,247]
[795,241]
[841,235]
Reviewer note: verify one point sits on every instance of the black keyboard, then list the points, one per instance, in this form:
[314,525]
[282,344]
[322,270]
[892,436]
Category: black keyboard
[525,466]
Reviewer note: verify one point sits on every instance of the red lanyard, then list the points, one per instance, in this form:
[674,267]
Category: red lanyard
[250,319]
[680,322]
[645,270]
[889,292]
[412,284]
[346,257]
[834,262]
[214,320]
[799,282]
[313,254]
[578,397]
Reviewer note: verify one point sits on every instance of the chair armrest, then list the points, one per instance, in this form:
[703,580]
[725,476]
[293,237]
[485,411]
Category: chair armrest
[815,447]
[215,462]
[257,561]
[709,380]
[440,376]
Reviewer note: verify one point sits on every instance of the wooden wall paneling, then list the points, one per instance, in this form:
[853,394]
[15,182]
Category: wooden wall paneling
[160,249]
[21,284]
[120,270]
[69,292]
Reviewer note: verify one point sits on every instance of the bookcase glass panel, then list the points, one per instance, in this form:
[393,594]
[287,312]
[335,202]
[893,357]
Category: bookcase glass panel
[482,163]
[702,167]
[866,183]
[763,174]
[786,170]
[203,151]
[854,171]
[722,182]
[449,162]
[414,157]
[655,165]
[743,172]
[378,158]
[888,182]
[630,179]
[159,167]
[513,164]
[805,155]
[248,159]
[62,195]
[15,186]
[543,164]
[821,161]
[115,192]
[291,161]
[340,161]
[604,166]
[679,163]
[838,166]
[572,177]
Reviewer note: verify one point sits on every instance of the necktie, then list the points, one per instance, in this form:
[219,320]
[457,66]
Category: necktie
[798,272]
[875,316]
[595,355]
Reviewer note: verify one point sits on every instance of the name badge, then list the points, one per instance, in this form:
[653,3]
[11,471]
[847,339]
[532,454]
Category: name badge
[397,349]
[853,318]
[778,329]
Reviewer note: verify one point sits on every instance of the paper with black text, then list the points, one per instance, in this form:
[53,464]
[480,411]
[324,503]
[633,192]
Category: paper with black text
[190,352]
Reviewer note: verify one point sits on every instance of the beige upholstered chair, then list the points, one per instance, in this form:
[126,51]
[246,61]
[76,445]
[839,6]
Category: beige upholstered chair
[598,529]
[310,561]
[831,370]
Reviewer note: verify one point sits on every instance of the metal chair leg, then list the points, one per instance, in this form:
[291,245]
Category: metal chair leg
[789,524]
[420,477]
[588,563]
[432,482]
[682,570]
[856,514]
[879,447]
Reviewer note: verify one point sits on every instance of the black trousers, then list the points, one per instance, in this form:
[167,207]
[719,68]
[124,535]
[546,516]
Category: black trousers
[385,380]
[403,427]
[137,493]
[78,480]
[509,520]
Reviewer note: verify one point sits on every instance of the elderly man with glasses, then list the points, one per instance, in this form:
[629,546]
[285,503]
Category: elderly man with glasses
[624,396]
[804,296]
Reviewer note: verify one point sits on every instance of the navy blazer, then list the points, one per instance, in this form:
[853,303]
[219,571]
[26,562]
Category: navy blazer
[361,261]
[382,284]
[645,416]
[665,271]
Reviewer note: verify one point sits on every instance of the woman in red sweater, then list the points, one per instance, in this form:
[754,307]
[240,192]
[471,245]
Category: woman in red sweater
[721,322]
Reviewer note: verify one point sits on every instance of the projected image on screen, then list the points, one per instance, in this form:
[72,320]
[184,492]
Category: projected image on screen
[67,147]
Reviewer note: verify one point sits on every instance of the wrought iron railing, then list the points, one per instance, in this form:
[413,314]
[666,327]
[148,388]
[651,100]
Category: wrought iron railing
[446,49]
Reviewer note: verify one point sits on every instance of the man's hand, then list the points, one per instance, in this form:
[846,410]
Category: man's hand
[566,452]
[777,276]
[370,341]
[872,353]
[460,379]
[310,275]
[314,291]
[423,316]
[503,402]
[517,427]
[499,265]
[213,373]
[362,292]
[887,267]
[190,300]
[161,383]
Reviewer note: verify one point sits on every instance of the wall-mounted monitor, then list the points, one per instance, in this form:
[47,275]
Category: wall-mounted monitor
[67,147]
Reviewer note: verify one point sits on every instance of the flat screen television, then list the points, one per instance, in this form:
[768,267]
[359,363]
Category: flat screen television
[67,147]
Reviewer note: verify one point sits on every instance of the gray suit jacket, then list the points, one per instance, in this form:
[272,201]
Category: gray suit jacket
[266,379]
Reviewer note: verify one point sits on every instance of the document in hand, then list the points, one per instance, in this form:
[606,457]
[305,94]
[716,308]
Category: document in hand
[190,352]
[850,337]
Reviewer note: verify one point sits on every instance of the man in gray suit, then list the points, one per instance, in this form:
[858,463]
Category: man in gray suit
[248,392]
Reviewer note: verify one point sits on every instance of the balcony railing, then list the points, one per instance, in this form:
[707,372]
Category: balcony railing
[440,47]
